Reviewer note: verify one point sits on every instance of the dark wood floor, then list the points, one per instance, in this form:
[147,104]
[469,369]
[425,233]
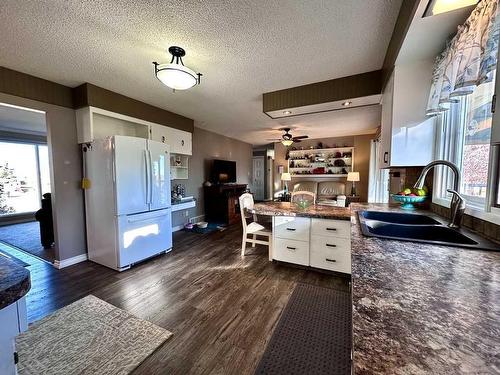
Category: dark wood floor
[221,308]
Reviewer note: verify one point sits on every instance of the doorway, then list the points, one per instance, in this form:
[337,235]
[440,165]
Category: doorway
[258,169]
[25,183]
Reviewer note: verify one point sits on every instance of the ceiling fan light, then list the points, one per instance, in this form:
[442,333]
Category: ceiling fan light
[176,76]
[287,142]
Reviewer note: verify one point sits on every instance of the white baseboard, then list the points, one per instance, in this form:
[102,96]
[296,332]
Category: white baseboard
[70,261]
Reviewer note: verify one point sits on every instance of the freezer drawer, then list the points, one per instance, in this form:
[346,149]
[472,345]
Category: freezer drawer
[143,235]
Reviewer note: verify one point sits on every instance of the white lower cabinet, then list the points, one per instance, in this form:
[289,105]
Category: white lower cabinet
[291,251]
[318,243]
[13,321]
[331,253]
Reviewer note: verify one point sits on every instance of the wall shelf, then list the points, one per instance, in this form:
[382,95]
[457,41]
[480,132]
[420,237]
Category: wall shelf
[301,161]
[179,167]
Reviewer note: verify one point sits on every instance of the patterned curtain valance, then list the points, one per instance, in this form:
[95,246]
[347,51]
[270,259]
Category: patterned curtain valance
[469,58]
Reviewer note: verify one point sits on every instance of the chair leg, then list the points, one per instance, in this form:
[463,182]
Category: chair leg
[254,238]
[270,248]
[243,244]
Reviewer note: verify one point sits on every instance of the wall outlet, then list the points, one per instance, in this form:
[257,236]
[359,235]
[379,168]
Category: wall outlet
[186,213]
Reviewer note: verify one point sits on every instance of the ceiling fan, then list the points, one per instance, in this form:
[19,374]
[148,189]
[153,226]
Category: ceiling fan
[287,139]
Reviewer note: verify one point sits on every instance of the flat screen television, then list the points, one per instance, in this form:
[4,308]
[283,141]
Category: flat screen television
[223,171]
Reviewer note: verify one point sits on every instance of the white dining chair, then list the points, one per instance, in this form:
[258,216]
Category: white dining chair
[253,228]
[303,195]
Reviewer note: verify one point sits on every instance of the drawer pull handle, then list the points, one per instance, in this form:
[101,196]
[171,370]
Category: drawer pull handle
[330,245]
[291,248]
[292,229]
[330,260]
[331,228]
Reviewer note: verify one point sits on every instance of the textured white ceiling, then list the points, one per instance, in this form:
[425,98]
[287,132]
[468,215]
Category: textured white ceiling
[243,48]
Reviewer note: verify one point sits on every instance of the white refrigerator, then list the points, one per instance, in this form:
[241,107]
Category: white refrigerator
[128,202]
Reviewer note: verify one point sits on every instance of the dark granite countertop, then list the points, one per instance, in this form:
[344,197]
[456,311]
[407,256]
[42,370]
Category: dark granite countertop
[14,282]
[314,211]
[422,308]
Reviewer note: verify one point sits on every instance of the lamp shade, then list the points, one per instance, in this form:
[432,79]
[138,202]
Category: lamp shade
[176,76]
[353,176]
[286,142]
[285,176]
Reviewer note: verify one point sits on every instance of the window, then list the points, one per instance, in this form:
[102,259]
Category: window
[24,177]
[464,133]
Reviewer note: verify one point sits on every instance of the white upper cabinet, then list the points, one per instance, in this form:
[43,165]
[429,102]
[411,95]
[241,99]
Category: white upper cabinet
[180,142]
[407,134]
[95,123]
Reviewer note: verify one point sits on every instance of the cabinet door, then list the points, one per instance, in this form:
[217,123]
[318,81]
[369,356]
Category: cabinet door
[159,133]
[386,124]
[181,142]
[291,227]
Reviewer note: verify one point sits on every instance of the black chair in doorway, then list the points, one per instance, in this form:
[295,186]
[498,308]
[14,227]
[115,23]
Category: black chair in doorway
[44,216]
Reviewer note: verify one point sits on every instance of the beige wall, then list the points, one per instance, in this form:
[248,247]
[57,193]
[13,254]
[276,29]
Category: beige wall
[66,171]
[206,147]
[361,144]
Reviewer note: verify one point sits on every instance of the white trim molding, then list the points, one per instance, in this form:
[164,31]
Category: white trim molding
[70,261]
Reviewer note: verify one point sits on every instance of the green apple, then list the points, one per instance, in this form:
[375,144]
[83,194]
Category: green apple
[421,192]
[426,189]
[407,191]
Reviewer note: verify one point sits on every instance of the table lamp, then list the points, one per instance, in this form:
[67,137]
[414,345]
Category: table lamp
[353,177]
[285,176]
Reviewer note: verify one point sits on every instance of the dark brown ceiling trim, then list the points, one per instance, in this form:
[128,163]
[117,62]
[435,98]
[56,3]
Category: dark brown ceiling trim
[403,22]
[91,95]
[350,87]
[30,87]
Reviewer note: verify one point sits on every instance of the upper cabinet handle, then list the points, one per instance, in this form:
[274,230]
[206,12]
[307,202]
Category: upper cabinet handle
[292,229]
[330,245]
[331,228]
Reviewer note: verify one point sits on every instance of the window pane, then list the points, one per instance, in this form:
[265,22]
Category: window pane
[43,157]
[476,145]
[18,178]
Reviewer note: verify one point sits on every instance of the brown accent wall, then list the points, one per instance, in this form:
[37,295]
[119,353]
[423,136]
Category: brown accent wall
[30,87]
[355,86]
[361,144]
[91,95]
[206,147]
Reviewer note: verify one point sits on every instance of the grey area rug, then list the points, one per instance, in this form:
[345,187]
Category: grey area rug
[26,236]
[313,335]
[89,336]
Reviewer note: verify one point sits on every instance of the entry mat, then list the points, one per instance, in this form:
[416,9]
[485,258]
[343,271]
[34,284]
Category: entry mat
[313,335]
[89,336]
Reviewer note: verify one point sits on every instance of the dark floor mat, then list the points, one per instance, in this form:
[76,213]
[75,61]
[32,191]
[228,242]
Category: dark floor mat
[313,335]
[26,236]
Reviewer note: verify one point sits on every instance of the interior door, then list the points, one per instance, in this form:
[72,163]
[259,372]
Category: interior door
[258,177]
[130,167]
[160,196]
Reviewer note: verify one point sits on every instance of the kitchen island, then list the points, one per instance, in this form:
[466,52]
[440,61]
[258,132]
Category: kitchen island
[422,308]
[14,284]
[317,236]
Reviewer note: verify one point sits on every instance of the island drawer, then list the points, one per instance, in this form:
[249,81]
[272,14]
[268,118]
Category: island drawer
[291,251]
[331,253]
[290,227]
[333,228]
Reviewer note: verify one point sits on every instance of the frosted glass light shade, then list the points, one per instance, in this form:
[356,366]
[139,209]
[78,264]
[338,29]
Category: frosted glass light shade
[285,176]
[287,142]
[176,76]
[353,176]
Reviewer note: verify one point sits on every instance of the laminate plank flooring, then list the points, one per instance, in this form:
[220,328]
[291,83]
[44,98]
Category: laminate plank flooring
[221,308]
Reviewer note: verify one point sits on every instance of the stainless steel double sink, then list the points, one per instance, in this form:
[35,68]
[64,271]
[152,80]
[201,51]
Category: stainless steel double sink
[419,228]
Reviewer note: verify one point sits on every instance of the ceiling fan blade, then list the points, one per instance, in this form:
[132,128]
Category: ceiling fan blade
[273,139]
[296,140]
[301,137]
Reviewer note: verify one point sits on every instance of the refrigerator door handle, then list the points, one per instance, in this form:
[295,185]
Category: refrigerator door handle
[148,171]
[150,177]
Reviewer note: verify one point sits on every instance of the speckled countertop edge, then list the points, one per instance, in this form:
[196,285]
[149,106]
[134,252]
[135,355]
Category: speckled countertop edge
[14,282]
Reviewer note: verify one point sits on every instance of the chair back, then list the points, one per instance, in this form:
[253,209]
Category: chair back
[303,195]
[246,203]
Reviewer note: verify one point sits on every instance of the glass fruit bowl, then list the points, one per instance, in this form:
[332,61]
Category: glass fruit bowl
[408,200]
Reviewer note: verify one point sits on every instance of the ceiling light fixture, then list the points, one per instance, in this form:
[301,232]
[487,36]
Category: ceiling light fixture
[286,142]
[175,75]
[442,6]
[287,112]
[346,103]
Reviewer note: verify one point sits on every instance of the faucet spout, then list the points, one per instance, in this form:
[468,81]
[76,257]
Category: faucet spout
[457,206]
